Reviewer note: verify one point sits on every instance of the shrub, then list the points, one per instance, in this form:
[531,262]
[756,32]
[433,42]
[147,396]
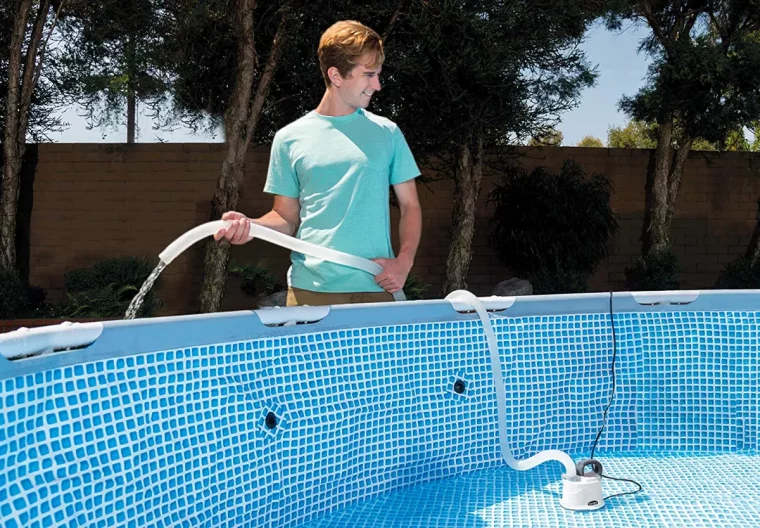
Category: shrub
[740,274]
[560,281]
[553,228]
[414,288]
[657,271]
[256,279]
[19,300]
[106,289]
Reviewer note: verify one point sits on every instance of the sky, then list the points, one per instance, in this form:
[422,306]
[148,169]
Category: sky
[621,71]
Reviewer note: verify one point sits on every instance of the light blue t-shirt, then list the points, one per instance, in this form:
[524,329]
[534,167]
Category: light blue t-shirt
[340,169]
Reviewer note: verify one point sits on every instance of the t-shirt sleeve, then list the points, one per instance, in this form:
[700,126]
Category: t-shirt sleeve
[281,175]
[404,167]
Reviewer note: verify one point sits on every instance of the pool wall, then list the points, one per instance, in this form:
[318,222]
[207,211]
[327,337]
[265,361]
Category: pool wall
[221,420]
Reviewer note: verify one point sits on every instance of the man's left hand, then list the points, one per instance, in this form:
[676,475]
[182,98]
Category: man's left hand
[394,274]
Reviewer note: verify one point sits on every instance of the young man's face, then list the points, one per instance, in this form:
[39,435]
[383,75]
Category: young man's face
[356,90]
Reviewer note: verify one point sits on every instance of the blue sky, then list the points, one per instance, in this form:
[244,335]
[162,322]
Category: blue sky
[621,72]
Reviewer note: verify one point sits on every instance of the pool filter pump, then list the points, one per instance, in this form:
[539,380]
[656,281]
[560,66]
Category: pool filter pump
[583,492]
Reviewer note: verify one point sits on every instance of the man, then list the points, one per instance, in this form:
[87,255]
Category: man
[330,173]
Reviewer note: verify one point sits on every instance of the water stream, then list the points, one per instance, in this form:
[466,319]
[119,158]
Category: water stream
[134,306]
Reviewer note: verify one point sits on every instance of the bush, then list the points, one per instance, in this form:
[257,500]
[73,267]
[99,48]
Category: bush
[106,289]
[414,288]
[550,227]
[18,300]
[561,281]
[256,279]
[657,271]
[741,274]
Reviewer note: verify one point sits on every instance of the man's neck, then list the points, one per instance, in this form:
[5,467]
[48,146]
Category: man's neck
[332,105]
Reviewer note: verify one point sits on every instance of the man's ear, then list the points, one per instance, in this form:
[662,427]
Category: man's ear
[334,75]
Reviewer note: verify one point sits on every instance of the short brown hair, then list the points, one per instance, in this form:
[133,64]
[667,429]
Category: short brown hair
[345,43]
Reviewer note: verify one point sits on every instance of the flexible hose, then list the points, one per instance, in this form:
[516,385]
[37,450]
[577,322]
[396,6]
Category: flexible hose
[280,239]
[501,396]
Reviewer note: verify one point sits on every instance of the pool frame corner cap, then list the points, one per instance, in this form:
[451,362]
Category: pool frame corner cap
[666,297]
[492,303]
[290,315]
[25,342]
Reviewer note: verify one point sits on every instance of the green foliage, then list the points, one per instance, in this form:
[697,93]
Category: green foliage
[740,274]
[18,300]
[106,289]
[46,99]
[655,272]
[634,135]
[550,138]
[453,69]
[414,288]
[202,49]
[591,142]
[203,52]
[547,282]
[705,66]
[552,227]
[492,71]
[734,142]
[108,49]
[256,279]
[107,301]
[638,134]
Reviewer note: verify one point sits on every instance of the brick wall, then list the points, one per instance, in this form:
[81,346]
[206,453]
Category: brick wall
[98,201]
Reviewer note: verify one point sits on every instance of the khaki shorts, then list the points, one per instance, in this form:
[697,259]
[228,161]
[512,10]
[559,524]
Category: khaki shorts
[299,297]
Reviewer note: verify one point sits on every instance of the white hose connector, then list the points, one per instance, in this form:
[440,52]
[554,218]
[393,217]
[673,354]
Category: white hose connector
[275,237]
[501,396]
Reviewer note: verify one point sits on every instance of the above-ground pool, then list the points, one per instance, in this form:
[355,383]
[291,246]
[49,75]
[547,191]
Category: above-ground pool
[386,415]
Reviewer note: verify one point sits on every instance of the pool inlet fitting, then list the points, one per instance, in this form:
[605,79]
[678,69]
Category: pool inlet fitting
[275,237]
[580,491]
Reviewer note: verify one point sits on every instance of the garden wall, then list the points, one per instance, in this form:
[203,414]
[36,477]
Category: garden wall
[85,202]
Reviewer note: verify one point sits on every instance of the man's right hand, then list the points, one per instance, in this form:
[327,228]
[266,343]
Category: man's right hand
[239,231]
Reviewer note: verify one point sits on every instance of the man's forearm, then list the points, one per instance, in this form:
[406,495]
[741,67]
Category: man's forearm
[274,220]
[410,231]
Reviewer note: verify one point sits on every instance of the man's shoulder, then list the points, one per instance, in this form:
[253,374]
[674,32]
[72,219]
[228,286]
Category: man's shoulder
[295,128]
[381,121]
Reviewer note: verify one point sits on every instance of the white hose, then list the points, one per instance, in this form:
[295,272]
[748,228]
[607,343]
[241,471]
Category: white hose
[501,397]
[275,237]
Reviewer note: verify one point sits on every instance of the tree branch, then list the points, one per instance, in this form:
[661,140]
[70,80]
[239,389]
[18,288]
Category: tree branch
[234,119]
[44,44]
[653,23]
[27,87]
[14,73]
[266,76]
[395,16]
[690,21]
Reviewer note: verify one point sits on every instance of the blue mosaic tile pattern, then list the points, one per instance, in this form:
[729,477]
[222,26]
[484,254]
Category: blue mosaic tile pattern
[186,437]
[675,494]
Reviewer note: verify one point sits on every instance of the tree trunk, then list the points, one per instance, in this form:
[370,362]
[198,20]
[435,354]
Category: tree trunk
[240,123]
[753,250]
[131,98]
[468,177]
[657,232]
[668,172]
[17,104]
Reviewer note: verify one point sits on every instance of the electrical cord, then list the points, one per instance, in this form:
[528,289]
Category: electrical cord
[606,410]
